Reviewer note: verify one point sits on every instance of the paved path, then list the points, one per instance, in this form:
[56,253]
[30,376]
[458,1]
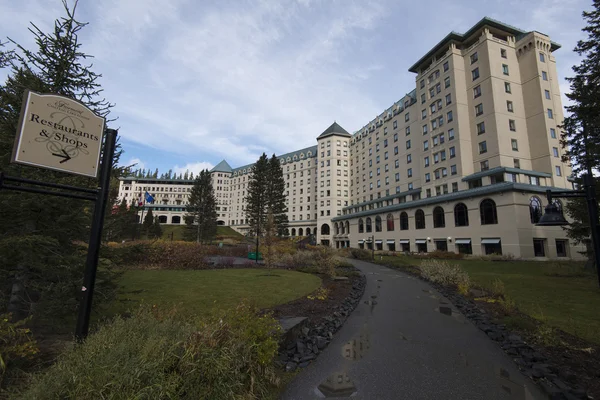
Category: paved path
[402,347]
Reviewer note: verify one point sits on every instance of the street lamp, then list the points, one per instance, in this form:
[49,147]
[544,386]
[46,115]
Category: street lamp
[372,241]
[553,217]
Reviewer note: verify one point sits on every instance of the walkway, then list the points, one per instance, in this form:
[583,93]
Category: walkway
[400,346]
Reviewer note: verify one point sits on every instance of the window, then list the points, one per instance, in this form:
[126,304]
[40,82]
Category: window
[474,57]
[475,73]
[409,172]
[453,169]
[378,224]
[403,221]
[447,82]
[478,109]
[438,88]
[555,151]
[480,128]
[434,124]
[539,247]
[369,227]
[487,212]
[514,144]
[482,147]
[544,75]
[461,215]
[542,57]
[422,83]
[476,91]
[419,219]
[408,158]
[390,222]
[509,106]
[535,209]
[534,180]
[406,117]
[507,87]
[553,133]
[516,164]
[454,186]
[550,114]
[395,124]
[485,165]
[450,134]
[408,144]
[427,177]
[427,161]
[407,130]
[423,98]
[446,66]
[503,53]
[448,99]
[397,177]
[557,168]
[425,130]
[423,114]
[431,92]
[439,219]
[449,116]
[547,94]
[452,152]
[505,69]
[428,193]
[561,248]
[511,125]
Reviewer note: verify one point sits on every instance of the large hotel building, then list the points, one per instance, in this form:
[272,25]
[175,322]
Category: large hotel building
[461,163]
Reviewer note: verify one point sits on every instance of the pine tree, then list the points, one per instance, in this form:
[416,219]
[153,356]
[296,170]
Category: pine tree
[191,176]
[156,231]
[276,196]
[256,199]
[39,255]
[148,222]
[201,216]
[170,174]
[581,128]
[155,175]
[185,176]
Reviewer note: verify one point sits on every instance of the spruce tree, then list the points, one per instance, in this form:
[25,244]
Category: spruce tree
[276,196]
[581,128]
[201,216]
[156,231]
[40,261]
[155,175]
[148,222]
[256,199]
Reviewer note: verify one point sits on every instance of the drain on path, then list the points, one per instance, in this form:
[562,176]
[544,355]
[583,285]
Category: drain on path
[337,385]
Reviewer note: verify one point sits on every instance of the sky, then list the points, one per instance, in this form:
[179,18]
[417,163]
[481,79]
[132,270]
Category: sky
[195,82]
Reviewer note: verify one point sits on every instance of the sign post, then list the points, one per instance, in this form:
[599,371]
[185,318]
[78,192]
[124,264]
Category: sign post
[62,134]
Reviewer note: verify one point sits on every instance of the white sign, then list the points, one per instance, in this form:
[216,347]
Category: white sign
[58,133]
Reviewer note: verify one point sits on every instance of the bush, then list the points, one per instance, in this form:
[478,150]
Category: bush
[17,345]
[441,255]
[154,355]
[361,254]
[445,274]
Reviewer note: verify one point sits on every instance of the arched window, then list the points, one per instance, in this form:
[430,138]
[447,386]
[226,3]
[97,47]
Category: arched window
[325,229]
[176,219]
[558,205]
[342,228]
[439,219]
[347,227]
[162,219]
[535,209]
[293,231]
[487,211]
[390,222]
[378,224]
[361,227]
[336,228]
[403,221]
[369,227]
[307,231]
[300,232]
[461,215]
[419,219]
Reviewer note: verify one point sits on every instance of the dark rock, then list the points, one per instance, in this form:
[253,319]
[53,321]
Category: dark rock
[291,367]
[512,351]
[304,364]
[300,347]
[494,335]
[515,338]
[321,342]
[305,331]
[537,373]
[568,375]
[308,358]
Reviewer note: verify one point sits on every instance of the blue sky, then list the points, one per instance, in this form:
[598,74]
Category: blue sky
[198,81]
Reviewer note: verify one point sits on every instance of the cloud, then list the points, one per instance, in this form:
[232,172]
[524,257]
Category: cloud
[135,162]
[193,167]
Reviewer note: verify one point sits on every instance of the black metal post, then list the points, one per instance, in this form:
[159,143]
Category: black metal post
[592,204]
[91,264]
[257,233]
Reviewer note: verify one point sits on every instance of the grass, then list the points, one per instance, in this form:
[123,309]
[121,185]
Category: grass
[560,295]
[202,292]
[178,232]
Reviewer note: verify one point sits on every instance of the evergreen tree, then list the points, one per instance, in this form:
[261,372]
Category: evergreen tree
[191,176]
[180,176]
[276,196]
[155,175]
[170,174]
[256,199]
[156,231]
[185,176]
[201,217]
[581,128]
[148,222]
[40,261]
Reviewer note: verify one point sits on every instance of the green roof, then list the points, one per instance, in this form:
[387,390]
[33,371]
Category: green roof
[312,150]
[497,170]
[223,166]
[463,194]
[334,130]
[461,37]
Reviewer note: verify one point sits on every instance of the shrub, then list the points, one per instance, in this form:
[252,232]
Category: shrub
[154,355]
[17,346]
[361,254]
[445,274]
[497,288]
[442,255]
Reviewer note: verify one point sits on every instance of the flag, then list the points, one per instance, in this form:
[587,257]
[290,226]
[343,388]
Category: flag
[149,198]
[140,200]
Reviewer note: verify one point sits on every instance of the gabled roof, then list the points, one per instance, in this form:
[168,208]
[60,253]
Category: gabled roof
[223,166]
[334,130]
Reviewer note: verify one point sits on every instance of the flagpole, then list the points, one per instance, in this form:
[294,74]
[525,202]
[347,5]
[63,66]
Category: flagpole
[142,217]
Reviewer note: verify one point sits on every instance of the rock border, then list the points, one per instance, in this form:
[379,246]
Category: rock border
[315,337]
[549,377]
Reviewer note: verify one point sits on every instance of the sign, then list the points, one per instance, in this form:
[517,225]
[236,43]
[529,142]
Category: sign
[58,133]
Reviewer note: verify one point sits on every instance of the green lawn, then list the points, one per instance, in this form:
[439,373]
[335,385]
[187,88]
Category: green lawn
[570,303]
[201,292]
[178,230]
